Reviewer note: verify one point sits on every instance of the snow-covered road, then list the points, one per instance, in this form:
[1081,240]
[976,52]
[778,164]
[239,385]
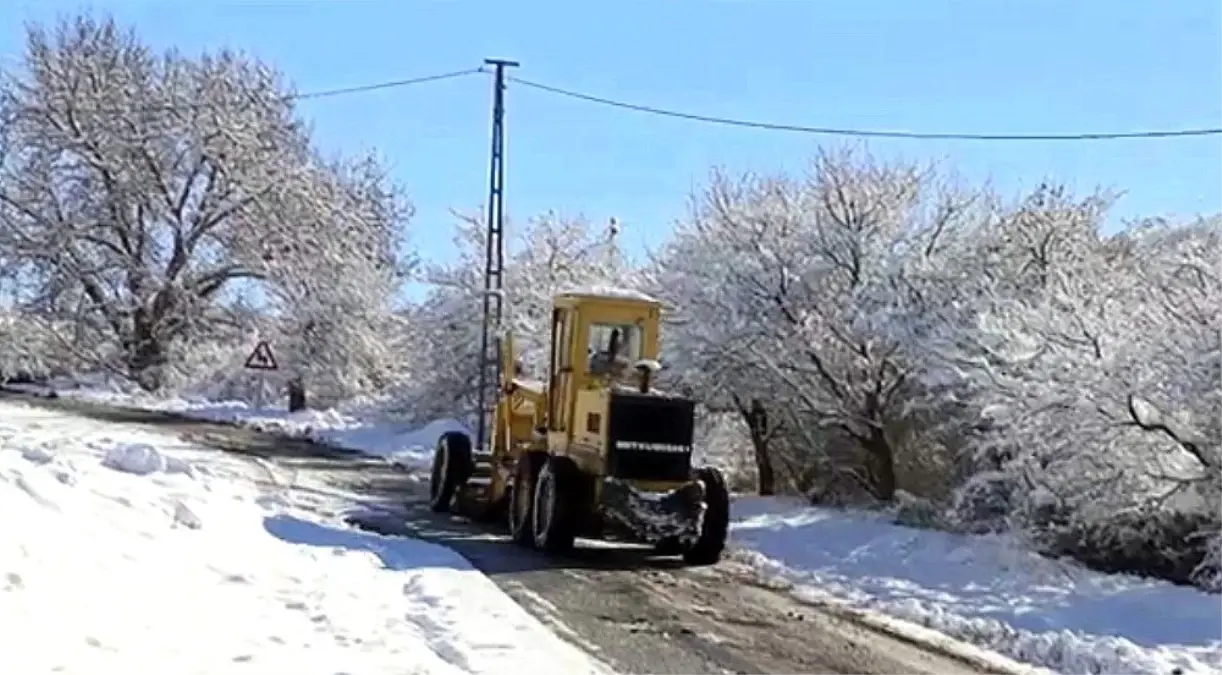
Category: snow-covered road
[987,591]
[126,551]
[638,615]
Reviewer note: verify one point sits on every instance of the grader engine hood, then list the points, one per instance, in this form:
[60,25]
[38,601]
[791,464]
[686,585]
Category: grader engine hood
[650,437]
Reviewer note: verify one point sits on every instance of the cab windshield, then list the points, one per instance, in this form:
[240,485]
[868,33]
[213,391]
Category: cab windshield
[614,348]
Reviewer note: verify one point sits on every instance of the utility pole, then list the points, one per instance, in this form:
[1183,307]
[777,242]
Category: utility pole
[494,298]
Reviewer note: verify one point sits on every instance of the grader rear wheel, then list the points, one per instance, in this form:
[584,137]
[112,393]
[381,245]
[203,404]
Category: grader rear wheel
[715,527]
[556,509]
[522,498]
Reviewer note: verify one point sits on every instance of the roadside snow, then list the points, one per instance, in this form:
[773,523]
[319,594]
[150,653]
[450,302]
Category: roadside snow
[983,590]
[406,445]
[129,551]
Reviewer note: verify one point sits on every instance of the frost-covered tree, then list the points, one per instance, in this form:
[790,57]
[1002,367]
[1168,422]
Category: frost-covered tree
[1168,452]
[988,315]
[1094,362]
[783,288]
[337,312]
[545,255]
[138,190]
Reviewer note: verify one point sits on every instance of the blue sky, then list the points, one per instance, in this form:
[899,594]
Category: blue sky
[1036,66]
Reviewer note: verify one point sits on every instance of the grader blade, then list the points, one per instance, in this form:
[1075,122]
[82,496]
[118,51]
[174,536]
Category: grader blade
[675,514]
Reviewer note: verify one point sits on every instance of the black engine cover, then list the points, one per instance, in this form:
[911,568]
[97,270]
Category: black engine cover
[650,437]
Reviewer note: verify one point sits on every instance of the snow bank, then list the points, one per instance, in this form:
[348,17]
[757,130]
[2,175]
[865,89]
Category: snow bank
[127,551]
[984,590]
[403,444]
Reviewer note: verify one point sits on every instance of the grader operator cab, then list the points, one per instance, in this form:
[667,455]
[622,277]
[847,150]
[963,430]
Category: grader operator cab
[594,451]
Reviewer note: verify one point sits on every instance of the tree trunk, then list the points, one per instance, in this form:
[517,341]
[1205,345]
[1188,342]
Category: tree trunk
[760,435]
[880,456]
[881,459]
[757,421]
[763,467]
[144,354]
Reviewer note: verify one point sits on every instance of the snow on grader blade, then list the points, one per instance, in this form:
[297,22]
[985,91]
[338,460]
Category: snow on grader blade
[593,450]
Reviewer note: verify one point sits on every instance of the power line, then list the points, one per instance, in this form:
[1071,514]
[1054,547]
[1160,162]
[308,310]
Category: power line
[864,133]
[392,84]
[330,93]
[288,98]
[709,119]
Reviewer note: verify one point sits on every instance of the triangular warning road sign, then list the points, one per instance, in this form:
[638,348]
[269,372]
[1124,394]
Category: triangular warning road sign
[261,358]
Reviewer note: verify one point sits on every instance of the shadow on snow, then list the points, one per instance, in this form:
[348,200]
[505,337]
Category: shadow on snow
[395,553]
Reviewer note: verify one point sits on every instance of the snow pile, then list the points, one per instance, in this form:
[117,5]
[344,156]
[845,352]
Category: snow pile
[126,551]
[984,590]
[142,459]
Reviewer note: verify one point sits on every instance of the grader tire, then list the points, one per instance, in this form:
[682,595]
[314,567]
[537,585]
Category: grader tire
[557,506]
[714,530]
[453,463]
[522,498]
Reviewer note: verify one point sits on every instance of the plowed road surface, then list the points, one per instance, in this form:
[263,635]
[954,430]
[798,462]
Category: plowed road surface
[636,613]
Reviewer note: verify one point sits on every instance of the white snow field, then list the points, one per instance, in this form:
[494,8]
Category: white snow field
[984,590]
[123,551]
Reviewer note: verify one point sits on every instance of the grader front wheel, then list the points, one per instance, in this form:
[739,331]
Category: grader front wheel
[453,463]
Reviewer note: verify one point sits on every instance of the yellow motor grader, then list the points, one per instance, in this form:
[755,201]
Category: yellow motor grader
[594,450]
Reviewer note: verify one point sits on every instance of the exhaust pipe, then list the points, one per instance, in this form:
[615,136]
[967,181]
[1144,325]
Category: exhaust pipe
[647,368]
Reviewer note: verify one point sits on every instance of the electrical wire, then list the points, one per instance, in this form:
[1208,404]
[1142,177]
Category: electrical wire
[342,91]
[311,95]
[392,84]
[710,119]
[862,133]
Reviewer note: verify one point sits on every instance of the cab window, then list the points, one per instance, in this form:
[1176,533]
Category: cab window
[613,342]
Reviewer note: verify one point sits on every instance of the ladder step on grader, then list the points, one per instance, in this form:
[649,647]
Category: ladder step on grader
[594,450]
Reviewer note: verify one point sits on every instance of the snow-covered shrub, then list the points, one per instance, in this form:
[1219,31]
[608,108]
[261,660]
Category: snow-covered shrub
[1161,544]
[918,512]
[26,352]
[1208,573]
[983,503]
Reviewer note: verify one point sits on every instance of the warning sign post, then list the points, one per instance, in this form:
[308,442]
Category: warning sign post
[261,358]
[263,361]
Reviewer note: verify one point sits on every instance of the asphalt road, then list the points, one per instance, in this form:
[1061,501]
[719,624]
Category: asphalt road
[635,612]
